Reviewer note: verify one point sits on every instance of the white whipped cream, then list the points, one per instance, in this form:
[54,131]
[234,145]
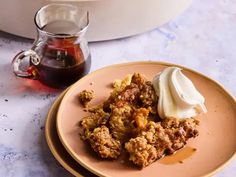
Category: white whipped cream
[178,97]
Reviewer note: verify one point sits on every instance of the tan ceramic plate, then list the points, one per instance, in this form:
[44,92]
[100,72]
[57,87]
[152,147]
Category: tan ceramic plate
[215,145]
[57,149]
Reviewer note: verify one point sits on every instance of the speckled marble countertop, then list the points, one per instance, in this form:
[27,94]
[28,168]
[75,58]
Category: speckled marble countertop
[202,38]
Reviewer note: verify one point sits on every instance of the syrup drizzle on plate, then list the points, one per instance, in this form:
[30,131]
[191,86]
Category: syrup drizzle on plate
[179,156]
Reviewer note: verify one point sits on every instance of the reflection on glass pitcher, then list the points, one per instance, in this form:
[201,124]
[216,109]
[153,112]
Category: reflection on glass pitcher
[60,54]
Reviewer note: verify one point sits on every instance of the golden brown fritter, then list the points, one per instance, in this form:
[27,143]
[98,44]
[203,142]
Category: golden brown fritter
[85,97]
[138,79]
[141,153]
[160,140]
[121,122]
[139,93]
[179,131]
[129,95]
[102,142]
[96,118]
[140,117]
[148,97]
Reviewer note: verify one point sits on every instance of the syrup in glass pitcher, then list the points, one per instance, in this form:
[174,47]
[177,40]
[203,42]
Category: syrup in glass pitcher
[60,54]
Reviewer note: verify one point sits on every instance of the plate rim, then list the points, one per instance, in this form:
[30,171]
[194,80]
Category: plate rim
[74,86]
[56,155]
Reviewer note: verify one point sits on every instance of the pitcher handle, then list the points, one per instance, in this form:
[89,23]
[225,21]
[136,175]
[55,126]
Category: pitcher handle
[17,60]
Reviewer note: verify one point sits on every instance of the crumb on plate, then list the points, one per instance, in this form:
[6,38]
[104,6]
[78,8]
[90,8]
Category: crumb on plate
[85,97]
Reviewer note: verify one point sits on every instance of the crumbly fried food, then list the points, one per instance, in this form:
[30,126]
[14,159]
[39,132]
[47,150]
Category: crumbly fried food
[96,118]
[141,152]
[119,85]
[85,97]
[161,140]
[139,93]
[125,121]
[179,131]
[141,117]
[129,95]
[121,122]
[102,142]
[153,138]
[148,97]
[122,95]
[138,79]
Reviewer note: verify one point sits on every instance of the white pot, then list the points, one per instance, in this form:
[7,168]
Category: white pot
[109,19]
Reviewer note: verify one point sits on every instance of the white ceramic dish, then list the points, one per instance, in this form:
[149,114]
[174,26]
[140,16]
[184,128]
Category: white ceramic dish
[109,19]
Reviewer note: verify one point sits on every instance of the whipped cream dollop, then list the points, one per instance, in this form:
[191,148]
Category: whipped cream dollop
[178,97]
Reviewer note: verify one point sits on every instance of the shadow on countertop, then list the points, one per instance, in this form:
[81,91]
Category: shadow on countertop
[9,36]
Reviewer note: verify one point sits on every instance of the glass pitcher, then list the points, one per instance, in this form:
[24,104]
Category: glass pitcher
[60,54]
